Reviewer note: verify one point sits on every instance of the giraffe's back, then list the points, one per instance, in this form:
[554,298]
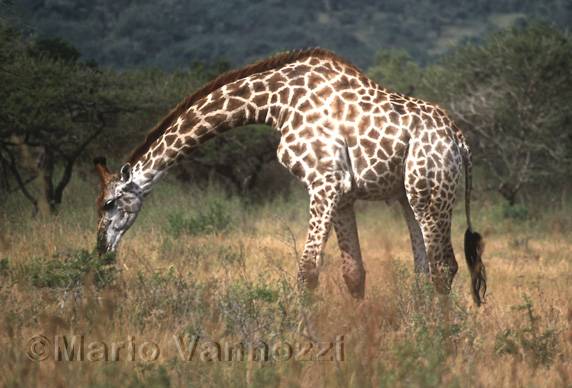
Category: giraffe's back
[345,120]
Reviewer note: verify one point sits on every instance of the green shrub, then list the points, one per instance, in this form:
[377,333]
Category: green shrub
[421,360]
[528,341]
[433,328]
[257,309]
[515,212]
[67,270]
[214,219]
[161,294]
[176,224]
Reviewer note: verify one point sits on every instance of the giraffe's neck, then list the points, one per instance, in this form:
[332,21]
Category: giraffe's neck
[251,100]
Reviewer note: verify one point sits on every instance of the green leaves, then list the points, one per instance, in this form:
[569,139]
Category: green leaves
[215,219]
[529,338]
[396,70]
[66,270]
[511,94]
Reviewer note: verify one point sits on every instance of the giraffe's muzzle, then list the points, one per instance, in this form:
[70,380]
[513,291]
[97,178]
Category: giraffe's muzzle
[103,245]
[112,228]
[106,243]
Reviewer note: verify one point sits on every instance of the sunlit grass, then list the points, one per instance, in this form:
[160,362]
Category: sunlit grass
[235,281]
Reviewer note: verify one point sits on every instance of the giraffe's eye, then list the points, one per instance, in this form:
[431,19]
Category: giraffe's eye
[109,204]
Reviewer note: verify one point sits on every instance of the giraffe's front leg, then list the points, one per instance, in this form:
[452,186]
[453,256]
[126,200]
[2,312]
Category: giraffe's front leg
[348,241]
[324,197]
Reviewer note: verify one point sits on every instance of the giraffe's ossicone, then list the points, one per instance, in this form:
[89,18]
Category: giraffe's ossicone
[344,136]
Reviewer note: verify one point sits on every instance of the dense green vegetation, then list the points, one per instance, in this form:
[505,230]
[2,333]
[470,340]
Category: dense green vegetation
[171,34]
[57,110]
[510,93]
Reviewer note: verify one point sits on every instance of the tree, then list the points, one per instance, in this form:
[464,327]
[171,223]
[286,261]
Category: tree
[237,156]
[51,108]
[512,94]
[396,70]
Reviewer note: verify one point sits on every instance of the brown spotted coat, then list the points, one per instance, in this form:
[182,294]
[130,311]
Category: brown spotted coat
[345,137]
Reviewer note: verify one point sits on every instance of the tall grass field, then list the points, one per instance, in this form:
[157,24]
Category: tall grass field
[203,292]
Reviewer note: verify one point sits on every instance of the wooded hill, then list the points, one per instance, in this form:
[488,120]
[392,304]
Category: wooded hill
[175,33]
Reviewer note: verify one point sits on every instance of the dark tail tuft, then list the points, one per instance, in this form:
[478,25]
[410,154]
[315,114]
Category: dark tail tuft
[474,247]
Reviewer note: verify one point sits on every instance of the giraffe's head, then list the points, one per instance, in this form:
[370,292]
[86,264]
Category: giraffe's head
[118,204]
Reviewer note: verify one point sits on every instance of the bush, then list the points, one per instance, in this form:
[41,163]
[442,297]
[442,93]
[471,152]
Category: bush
[66,270]
[162,294]
[507,95]
[515,212]
[396,70]
[257,309]
[433,329]
[214,220]
[529,341]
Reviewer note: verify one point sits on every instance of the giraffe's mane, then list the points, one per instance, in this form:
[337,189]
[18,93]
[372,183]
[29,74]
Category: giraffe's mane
[261,66]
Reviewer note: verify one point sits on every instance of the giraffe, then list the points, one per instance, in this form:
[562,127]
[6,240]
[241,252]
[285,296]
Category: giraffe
[343,136]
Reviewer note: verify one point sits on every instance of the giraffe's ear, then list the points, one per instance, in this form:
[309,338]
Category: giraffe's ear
[126,176]
[102,170]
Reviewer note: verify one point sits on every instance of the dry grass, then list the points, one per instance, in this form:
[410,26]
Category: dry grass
[237,284]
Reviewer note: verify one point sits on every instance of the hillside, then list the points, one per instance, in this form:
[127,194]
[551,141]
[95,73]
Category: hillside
[174,33]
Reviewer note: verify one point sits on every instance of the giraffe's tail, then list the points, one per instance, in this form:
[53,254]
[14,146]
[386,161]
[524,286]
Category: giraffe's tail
[474,244]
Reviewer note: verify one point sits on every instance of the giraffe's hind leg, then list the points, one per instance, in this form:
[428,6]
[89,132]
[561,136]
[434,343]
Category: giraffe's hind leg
[348,242]
[434,218]
[436,228]
[416,235]
[431,175]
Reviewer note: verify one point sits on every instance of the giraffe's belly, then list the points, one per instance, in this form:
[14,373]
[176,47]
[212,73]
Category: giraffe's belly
[378,170]
[390,187]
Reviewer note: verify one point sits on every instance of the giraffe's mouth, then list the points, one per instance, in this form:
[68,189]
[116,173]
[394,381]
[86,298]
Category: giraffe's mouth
[107,237]
[103,246]
[108,245]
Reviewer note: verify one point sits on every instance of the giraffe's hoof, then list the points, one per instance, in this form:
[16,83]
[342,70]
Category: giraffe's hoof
[357,290]
[355,281]
[358,293]
[442,285]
